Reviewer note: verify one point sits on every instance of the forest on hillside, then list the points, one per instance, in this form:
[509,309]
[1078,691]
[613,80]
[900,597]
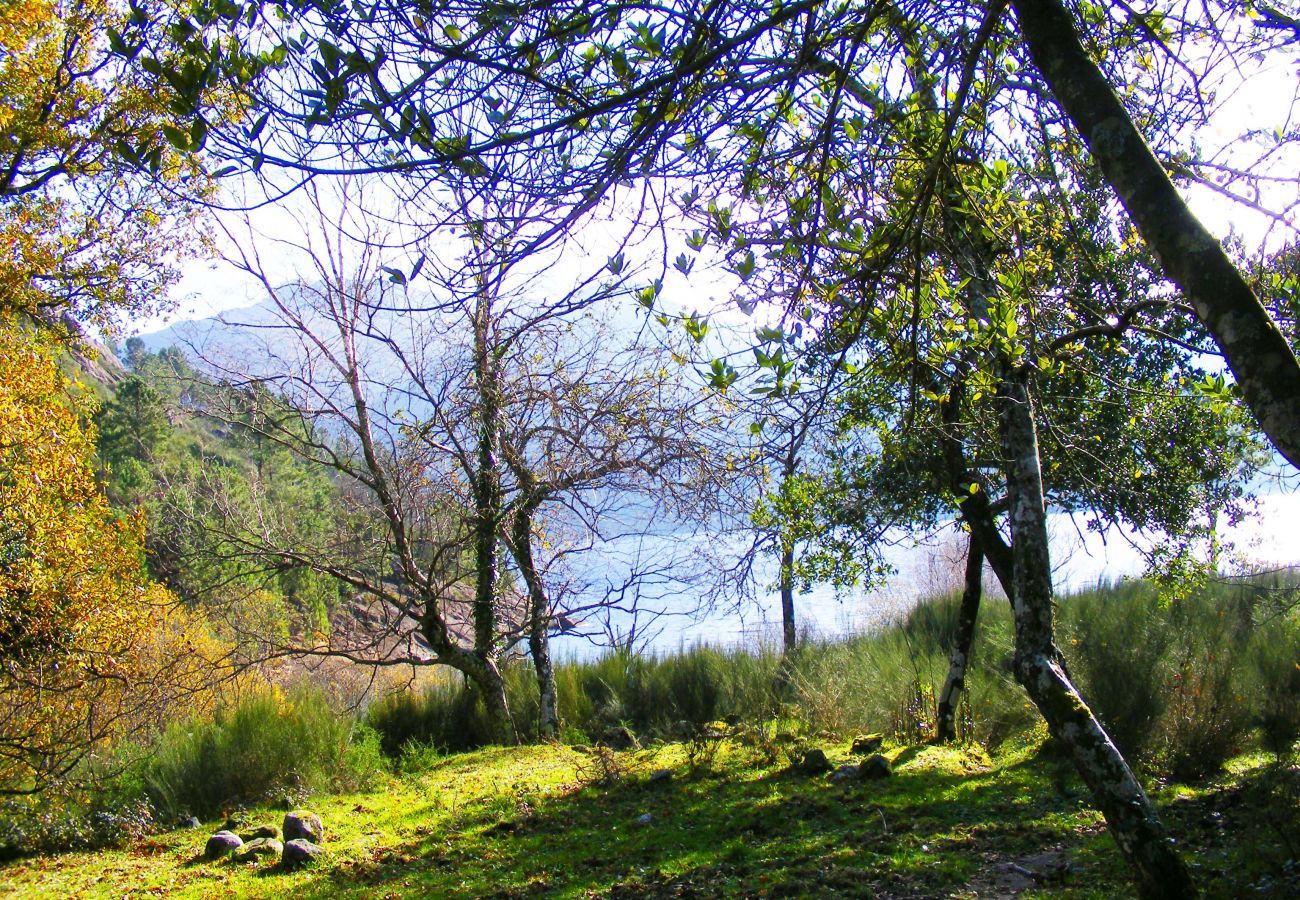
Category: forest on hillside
[569,315]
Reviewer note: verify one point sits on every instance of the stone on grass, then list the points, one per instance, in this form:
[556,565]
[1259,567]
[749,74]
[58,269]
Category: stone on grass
[223,843]
[299,852]
[260,831]
[867,743]
[661,775]
[620,737]
[645,818]
[875,766]
[259,847]
[303,824]
[191,822]
[814,762]
[846,772]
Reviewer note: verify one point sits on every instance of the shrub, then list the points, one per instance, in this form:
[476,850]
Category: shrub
[56,821]
[1118,651]
[1168,677]
[1178,684]
[262,746]
[1273,683]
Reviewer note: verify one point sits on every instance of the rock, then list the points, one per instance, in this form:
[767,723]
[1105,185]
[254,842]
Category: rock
[814,762]
[303,825]
[846,772]
[299,852]
[620,737]
[223,843]
[645,818]
[867,743]
[191,822]
[659,776]
[260,831]
[259,847]
[235,821]
[875,766]
[732,720]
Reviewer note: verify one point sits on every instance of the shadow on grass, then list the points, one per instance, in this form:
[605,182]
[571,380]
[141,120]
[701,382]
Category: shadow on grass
[748,830]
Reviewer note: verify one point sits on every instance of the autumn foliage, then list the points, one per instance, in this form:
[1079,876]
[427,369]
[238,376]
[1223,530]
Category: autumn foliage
[81,232]
[89,649]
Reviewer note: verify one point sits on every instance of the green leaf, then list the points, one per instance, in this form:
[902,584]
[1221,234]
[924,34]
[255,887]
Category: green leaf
[745,268]
[176,137]
[615,263]
[257,126]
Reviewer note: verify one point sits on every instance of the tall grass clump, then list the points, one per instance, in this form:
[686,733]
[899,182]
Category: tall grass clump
[887,680]
[256,749]
[1181,684]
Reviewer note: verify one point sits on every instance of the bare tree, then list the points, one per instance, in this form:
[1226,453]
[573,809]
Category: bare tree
[483,423]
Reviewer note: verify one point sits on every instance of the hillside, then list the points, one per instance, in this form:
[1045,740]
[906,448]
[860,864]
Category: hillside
[575,822]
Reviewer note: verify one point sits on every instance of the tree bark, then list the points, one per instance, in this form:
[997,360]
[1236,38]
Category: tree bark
[539,623]
[1129,813]
[497,707]
[946,725]
[789,637]
[1263,362]
[487,516]
[487,484]
[976,509]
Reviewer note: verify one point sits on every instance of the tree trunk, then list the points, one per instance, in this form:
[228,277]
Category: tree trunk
[976,509]
[946,726]
[1129,813]
[539,624]
[789,637]
[493,686]
[1263,362]
[487,517]
[487,484]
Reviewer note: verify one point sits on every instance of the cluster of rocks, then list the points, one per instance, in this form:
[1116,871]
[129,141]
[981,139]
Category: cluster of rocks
[295,842]
[875,765]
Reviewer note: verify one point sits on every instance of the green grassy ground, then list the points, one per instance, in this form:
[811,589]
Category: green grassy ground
[538,821]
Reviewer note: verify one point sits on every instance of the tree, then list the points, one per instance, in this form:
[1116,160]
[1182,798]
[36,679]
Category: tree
[994,325]
[769,94]
[89,649]
[481,424]
[1260,357]
[82,232]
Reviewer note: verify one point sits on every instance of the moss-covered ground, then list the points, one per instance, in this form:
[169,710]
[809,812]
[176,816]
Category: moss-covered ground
[572,822]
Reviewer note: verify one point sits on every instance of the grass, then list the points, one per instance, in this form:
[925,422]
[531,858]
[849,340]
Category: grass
[531,821]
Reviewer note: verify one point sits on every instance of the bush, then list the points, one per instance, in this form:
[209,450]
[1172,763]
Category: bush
[1169,678]
[265,745]
[1273,683]
[56,821]
[1118,651]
